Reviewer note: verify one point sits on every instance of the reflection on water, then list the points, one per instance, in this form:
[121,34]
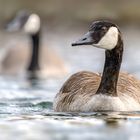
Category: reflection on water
[26,105]
[67,126]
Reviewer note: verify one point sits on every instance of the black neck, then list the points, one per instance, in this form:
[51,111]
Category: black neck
[34,63]
[108,85]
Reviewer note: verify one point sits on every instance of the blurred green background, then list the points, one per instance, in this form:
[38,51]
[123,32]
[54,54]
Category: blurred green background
[123,11]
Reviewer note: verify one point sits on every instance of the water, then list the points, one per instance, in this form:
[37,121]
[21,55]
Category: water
[26,106]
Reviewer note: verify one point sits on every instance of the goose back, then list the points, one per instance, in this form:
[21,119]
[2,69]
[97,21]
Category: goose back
[77,91]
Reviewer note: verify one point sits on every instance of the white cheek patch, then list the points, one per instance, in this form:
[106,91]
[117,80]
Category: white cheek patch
[33,24]
[109,40]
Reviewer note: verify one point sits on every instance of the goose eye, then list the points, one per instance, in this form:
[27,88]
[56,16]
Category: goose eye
[98,28]
[104,28]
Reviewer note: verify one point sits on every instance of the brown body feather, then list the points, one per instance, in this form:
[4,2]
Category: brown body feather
[17,59]
[82,86]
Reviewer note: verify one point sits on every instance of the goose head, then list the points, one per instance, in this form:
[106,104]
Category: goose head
[26,22]
[101,34]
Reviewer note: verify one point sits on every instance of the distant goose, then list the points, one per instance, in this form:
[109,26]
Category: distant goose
[86,91]
[37,59]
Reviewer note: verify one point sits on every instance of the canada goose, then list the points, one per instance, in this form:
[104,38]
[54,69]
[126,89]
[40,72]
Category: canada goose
[86,91]
[38,58]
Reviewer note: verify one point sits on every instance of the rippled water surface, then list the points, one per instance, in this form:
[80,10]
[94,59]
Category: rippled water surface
[26,106]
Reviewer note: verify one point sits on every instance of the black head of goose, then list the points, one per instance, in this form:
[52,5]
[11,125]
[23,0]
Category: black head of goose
[87,91]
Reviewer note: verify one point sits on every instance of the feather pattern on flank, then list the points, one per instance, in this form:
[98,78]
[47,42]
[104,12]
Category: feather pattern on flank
[78,94]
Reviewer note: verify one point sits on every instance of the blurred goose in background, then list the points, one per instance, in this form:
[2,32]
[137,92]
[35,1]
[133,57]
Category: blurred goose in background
[113,91]
[39,60]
